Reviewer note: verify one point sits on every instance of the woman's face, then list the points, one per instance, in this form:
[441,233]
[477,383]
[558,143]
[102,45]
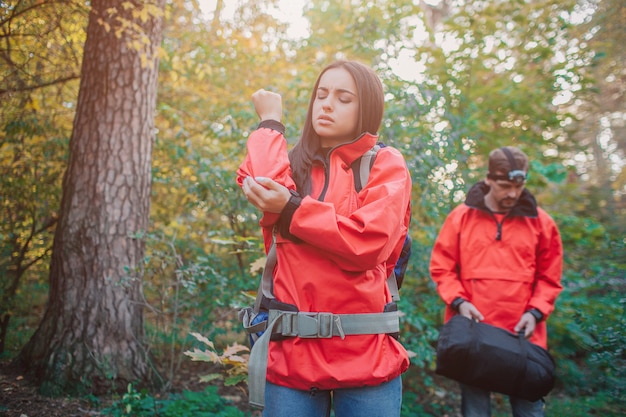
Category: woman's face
[335,108]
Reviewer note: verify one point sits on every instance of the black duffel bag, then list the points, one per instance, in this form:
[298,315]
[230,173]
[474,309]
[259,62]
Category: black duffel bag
[494,359]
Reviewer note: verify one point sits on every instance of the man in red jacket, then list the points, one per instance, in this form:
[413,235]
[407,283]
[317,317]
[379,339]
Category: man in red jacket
[498,259]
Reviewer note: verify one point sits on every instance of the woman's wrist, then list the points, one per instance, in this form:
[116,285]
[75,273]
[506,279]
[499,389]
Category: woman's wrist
[272,124]
[292,205]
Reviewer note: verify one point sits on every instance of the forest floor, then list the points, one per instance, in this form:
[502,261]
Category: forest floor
[19,396]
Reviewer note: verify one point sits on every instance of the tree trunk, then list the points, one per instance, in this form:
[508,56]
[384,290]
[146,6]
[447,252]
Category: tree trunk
[91,337]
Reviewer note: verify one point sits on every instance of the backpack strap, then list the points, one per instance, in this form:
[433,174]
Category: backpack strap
[392,283]
[362,166]
[266,286]
[257,366]
[264,294]
[361,169]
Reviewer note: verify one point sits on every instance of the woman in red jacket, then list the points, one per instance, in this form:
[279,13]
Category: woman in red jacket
[335,248]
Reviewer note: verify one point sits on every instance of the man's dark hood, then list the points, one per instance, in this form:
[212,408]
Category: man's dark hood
[526,205]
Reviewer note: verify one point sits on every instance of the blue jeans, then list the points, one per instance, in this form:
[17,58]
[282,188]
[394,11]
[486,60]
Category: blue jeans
[383,400]
[476,402]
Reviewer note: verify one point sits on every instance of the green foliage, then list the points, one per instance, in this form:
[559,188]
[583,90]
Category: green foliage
[190,289]
[23,323]
[198,404]
[491,73]
[554,173]
[583,406]
[498,68]
[30,179]
[587,328]
[413,405]
[38,70]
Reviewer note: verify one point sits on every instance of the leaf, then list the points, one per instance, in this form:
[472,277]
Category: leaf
[257,265]
[203,356]
[234,360]
[235,348]
[203,339]
[233,380]
[210,377]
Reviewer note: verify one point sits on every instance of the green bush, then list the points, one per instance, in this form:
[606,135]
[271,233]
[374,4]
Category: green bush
[198,404]
[586,330]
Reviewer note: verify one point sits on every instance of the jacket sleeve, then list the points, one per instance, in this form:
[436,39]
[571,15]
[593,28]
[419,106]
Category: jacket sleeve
[370,235]
[445,260]
[549,268]
[267,157]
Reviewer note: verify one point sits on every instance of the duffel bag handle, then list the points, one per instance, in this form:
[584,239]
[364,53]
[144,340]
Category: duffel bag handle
[521,375]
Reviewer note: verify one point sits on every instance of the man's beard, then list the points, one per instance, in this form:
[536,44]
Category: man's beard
[508,203]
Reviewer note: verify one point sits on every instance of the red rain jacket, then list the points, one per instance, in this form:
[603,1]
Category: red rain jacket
[349,244]
[502,278]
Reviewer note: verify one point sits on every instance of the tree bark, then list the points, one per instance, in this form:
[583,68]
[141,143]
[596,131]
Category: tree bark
[91,337]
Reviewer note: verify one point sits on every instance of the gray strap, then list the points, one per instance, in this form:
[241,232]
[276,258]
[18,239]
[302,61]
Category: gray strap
[246,315]
[367,160]
[366,164]
[257,367]
[392,283]
[327,325]
[266,286]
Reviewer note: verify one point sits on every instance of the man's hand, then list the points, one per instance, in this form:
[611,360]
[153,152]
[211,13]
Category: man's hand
[467,309]
[268,105]
[528,322]
[265,194]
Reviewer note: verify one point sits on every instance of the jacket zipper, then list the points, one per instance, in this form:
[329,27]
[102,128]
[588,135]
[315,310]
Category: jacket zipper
[326,177]
[498,224]
[327,165]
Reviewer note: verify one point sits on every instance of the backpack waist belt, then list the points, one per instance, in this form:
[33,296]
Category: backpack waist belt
[327,325]
[310,325]
[322,325]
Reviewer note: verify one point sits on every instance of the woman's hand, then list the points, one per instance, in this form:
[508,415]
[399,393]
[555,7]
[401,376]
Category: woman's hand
[268,105]
[265,194]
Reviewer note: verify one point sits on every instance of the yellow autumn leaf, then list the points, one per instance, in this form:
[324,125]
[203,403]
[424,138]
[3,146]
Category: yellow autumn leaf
[257,265]
[202,339]
[231,350]
[198,355]
[32,104]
